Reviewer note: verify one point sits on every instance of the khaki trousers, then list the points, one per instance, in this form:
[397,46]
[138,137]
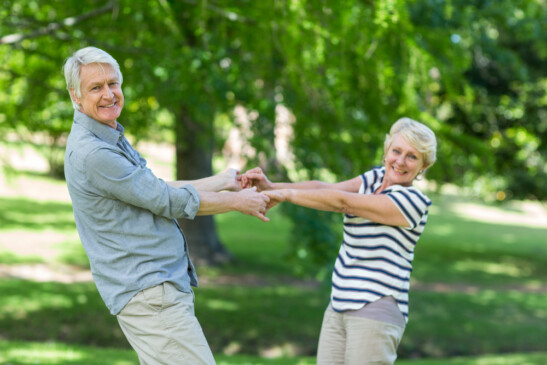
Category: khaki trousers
[160,324]
[351,340]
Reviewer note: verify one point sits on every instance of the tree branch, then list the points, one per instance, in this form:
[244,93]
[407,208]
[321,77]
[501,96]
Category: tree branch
[230,15]
[52,27]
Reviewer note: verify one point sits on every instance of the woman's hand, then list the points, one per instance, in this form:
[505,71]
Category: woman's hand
[255,178]
[276,197]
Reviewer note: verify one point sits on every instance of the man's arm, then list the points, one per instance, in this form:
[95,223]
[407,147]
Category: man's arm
[226,180]
[247,201]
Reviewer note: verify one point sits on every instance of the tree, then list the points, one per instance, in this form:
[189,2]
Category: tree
[346,70]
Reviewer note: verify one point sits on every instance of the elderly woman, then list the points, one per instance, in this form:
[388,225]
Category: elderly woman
[384,215]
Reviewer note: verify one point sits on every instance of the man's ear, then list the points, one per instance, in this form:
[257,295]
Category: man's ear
[73,96]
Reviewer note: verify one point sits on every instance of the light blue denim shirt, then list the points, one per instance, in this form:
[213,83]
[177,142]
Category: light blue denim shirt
[125,215]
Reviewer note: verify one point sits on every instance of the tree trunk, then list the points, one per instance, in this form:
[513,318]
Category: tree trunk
[194,147]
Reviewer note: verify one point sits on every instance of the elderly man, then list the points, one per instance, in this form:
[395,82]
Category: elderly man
[126,219]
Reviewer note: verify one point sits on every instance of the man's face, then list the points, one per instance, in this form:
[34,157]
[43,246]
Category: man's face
[102,96]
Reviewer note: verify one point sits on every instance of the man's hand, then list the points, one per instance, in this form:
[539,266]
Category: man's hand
[230,179]
[253,203]
[255,178]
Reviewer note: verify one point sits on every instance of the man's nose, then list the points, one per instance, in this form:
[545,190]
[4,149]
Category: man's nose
[107,93]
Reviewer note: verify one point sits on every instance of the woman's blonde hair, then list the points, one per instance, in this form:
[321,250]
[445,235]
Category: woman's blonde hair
[418,135]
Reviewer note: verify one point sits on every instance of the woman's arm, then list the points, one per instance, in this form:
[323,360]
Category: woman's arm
[256,177]
[377,208]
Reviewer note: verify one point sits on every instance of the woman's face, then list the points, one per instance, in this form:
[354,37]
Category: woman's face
[403,162]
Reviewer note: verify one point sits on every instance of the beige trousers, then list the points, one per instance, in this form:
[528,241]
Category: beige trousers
[351,340]
[160,325]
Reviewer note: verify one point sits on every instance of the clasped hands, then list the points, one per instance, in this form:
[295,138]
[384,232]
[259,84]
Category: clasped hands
[253,184]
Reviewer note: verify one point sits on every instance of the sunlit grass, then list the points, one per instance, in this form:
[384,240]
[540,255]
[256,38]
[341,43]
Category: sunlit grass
[493,275]
[506,359]
[493,268]
[31,215]
[24,353]
[455,249]
[19,353]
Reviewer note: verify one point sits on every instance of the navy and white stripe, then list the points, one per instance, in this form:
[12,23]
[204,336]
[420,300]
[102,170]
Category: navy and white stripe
[375,260]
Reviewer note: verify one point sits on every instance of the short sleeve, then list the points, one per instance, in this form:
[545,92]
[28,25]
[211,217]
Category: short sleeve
[413,204]
[371,179]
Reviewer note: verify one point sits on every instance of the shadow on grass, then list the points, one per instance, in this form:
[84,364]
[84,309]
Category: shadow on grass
[71,313]
[284,320]
[280,320]
[452,324]
[258,247]
[31,215]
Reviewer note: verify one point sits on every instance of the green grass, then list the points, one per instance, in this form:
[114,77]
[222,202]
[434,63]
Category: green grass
[30,215]
[457,249]
[25,353]
[478,288]
[279,318]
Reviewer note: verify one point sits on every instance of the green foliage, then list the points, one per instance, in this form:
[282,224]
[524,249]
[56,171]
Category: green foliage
[346,70]
[473,71]
[318,235]
[501,101]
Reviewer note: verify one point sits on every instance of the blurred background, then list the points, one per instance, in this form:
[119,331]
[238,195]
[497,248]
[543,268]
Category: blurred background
[306,90]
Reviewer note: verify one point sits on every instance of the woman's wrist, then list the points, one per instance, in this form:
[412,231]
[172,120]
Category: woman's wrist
[288,195]
[272,186]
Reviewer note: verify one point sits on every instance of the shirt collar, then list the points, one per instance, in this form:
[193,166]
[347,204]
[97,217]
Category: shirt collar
[102,131]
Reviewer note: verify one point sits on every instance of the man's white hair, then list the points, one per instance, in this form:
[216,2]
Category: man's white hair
[85,56]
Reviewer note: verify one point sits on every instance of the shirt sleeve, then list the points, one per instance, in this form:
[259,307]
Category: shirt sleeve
[370,178]
[412,204]
[113,176]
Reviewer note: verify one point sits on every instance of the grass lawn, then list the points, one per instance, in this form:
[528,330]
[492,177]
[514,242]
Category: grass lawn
[24,353]
[477,291]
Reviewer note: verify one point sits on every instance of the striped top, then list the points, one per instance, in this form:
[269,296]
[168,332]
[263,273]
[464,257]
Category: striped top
[375,260]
